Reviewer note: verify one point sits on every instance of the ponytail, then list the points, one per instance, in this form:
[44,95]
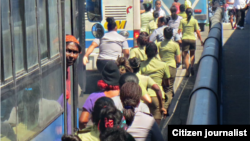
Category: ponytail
[189,13]
[130,96]
[173,10]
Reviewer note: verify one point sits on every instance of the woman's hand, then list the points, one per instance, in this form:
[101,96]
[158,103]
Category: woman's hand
[85,60]
[164,112]
[202,43]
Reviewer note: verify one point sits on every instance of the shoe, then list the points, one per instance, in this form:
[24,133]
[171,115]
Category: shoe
[192,71]
[238,26]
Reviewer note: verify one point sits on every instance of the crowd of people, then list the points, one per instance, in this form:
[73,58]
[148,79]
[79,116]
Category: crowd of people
[137,84]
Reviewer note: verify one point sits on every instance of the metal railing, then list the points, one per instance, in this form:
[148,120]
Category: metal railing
[204,99]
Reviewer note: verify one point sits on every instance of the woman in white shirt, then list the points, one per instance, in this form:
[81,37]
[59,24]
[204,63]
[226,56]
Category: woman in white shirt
[240,6]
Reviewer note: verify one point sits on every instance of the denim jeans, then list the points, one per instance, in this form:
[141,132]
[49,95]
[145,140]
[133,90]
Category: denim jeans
[226,17]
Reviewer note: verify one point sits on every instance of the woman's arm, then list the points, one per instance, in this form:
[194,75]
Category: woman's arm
[146,98]
[88,52]
[199,36]
[84,118]
[178,59]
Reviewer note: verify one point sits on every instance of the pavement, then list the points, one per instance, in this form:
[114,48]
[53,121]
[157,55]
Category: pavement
[235,74]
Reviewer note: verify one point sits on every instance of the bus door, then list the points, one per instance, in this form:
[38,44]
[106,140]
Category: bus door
[123,13]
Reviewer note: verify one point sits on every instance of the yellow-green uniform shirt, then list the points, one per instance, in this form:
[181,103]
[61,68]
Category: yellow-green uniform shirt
[152,26]
[92,134]
[146,81]
[157,70]
[168,49]
[145,19]
[188,28]
[138,52]
[183,15]
[187,4]
[143,88]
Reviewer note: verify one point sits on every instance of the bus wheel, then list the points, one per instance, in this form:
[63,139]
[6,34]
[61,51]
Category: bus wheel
[202,26]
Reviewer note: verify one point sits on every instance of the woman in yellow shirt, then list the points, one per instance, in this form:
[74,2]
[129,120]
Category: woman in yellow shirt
[146,17]
[187,28]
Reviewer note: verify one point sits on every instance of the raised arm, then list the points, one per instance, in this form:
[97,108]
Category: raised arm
[88,52]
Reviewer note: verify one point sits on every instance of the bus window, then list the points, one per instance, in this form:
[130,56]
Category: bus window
[42,27]
[31,32]
[53,28]
[94,10]
[6,40]
[18,35]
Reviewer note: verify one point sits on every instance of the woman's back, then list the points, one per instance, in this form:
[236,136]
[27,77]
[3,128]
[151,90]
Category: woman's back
[139,53]
[188,28]
[111,45]
[145,19]
[144,128]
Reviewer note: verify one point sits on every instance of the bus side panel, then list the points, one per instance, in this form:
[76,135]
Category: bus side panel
[53,132]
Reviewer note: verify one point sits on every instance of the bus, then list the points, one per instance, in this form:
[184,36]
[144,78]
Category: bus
[200,8]
[126,14]
[33,68]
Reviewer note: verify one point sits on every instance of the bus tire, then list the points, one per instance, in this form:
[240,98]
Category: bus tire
[202,26]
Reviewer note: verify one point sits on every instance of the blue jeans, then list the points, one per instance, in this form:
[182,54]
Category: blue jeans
[226,17]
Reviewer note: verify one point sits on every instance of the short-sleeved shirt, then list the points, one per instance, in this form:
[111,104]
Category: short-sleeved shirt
[142,107]
[111,45]
[157,70]
[152,26]
[188,28]
[175,23]
[187,4]
[138,52]
[145,19]
[90,101]
[183,15]
[92,134]
[168,49]
[146,81]
[157,35]
[144,128]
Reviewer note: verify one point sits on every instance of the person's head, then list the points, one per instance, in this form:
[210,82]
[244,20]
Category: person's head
[116,134]
[143,39]
[128,77]
[123,65]
[162,21]
[189,13]
[73,49]
[130,96]
[147,6]
[70,138]
[111,24]
[157,4]
[173,10]
[168,32]
[110,117]
[156,14]
[99,105]
[151,50]
[110,77]
[182,8]
[135,64]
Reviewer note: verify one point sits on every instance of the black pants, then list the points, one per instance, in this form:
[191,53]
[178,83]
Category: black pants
[240,17]
[100,64]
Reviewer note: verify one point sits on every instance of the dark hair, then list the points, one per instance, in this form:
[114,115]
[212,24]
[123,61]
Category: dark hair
[128,77]
[70,138]
[173,10]
[156,14]
[143,39]
[182,7]
[157,1]
[111,23]
[168,32]
[189,13]
[163,20]
[123,65]
[175,0]
[135,64]
[109,113]
[151,50]
[147,6]
[116,134]
[99,104]
[130,95]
